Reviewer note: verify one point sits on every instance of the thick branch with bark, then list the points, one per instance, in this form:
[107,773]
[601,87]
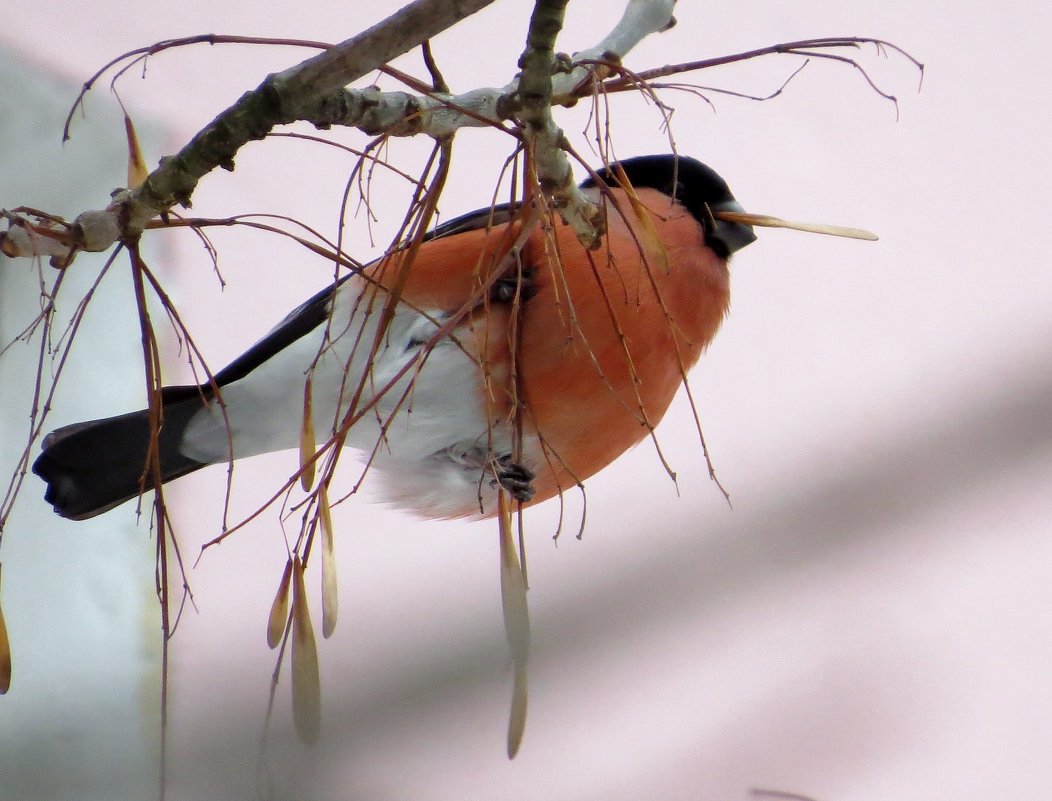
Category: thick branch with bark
[545,138]
[280,100]
[313,91]
[275,102]
[441,114]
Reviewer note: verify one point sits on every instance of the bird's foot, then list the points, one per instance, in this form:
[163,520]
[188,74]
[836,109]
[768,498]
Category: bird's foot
[514,478]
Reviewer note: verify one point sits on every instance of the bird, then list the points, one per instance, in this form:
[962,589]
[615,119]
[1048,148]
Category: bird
[498,352]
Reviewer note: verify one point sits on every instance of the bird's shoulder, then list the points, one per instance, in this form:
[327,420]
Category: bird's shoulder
[440,278]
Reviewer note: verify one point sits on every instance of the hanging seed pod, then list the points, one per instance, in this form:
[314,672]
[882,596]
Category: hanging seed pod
[308,445]
[279,610]
[647,231]
[5,656]
[516,621]
[137,172]
[329,600]
[517,716]
[306,684]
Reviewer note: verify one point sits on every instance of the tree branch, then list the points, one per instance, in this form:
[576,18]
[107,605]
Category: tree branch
[312,91]
[544,138]
[278,100]
[281,98]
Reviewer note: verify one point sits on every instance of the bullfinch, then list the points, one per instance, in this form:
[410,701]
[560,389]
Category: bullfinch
[503,353]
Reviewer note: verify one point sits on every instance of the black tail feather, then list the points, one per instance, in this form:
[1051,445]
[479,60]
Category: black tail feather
[94,466]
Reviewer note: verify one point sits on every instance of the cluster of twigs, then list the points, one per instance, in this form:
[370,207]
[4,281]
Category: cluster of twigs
[315,92]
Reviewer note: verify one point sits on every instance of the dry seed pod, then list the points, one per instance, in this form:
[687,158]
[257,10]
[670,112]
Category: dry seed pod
[516,622]
[306,683]
[329,600]
[5,656]
[308,445]
[279,610]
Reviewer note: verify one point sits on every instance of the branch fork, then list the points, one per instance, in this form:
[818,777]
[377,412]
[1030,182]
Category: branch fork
[313,91]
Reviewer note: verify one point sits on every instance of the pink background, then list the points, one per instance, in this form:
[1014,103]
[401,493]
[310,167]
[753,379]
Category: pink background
[870,621]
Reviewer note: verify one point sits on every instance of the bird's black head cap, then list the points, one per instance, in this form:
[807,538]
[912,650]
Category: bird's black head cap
[696,186]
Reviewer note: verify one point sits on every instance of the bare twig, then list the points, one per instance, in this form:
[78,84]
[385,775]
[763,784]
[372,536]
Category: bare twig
[313,91]
[282,98]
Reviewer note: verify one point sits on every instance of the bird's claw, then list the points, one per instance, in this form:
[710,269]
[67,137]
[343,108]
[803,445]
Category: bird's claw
[514,478]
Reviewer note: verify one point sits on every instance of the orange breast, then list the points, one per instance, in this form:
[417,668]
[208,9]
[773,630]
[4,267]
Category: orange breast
[609,334]
[603,341]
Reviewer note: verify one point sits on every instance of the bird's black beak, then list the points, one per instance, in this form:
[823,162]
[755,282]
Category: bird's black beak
[726,236]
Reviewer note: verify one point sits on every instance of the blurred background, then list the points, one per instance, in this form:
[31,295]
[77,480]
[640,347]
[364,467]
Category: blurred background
[869,621]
